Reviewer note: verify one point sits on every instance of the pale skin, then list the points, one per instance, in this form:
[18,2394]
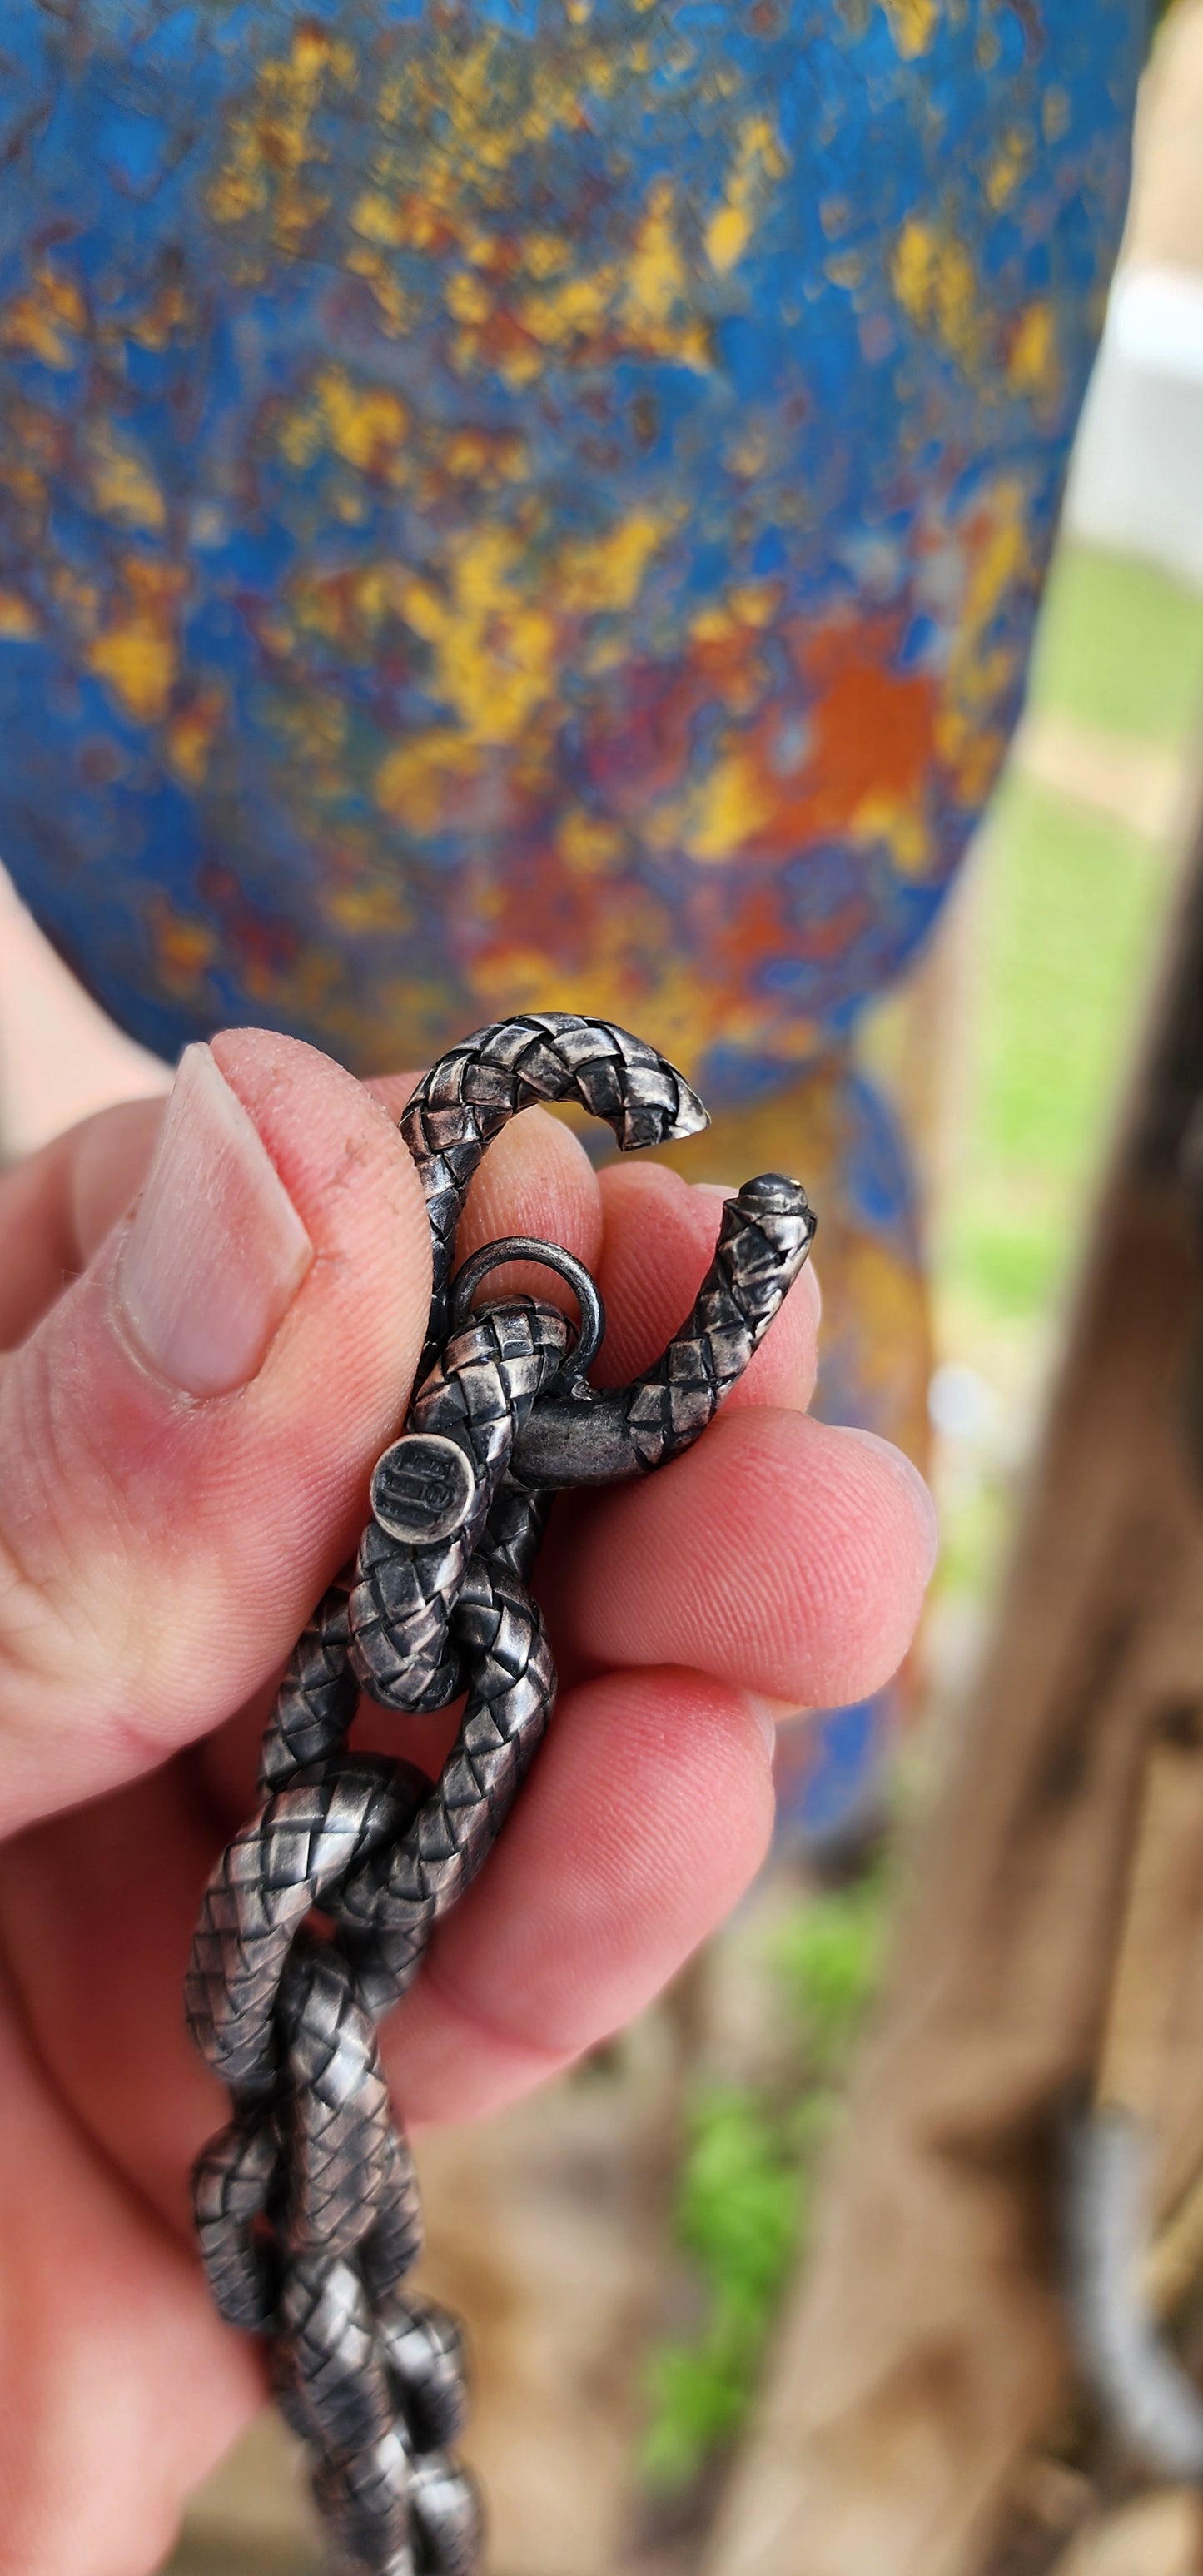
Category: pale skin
[160,1549]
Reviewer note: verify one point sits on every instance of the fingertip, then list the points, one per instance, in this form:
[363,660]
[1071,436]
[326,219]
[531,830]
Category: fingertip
[536,1179]
[919,1501]
[848,1530]
[782,1554]
[392,1090]
[660,1234]
[323,1130]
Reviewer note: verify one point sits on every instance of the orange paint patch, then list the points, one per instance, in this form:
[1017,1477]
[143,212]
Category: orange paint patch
[872,736]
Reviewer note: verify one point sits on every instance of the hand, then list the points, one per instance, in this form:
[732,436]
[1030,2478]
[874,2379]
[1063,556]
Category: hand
[187,1427]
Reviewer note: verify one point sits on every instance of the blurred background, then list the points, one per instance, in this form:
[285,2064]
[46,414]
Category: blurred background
[774,2283]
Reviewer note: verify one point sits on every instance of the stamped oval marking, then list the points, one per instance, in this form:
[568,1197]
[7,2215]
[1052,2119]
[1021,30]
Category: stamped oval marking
[422,1488]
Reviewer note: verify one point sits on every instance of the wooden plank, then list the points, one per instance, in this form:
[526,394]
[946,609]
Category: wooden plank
[1160,2535]
[925,2345]
[1156,1969]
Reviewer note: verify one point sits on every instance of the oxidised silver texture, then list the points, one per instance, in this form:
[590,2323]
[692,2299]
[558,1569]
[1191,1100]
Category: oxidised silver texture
[306,2205]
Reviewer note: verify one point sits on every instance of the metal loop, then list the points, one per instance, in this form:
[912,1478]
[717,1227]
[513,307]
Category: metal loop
[551,1256]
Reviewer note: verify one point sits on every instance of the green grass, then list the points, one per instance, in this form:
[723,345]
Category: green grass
[1120,647]
[746,2180]
[1071,901]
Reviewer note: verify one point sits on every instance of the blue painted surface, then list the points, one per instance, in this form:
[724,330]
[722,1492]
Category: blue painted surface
[826,1786]
[530,501]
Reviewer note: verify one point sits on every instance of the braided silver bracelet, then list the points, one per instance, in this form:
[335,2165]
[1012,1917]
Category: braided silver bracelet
[306,2204]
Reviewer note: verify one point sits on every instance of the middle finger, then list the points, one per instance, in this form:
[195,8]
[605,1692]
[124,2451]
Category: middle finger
[781,1555]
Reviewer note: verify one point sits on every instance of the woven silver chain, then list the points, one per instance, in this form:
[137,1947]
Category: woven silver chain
[306,2204]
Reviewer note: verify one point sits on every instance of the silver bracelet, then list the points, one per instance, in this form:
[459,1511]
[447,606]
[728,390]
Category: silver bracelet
[306,2204]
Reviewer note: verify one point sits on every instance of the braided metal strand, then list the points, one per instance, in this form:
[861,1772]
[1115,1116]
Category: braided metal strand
[317,1917]
[764,1237]
[316,1699]
[301,1841]
[478,1086]
[230,2186]
[386,1913]
[478,1395]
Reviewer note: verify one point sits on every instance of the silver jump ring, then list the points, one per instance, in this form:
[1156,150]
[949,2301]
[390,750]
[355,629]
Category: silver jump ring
[527,1247]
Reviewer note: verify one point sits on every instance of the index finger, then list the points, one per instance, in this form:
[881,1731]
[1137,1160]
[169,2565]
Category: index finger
[56,1207]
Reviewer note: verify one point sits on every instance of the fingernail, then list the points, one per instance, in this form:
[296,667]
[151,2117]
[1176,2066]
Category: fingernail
[216,1251]
[907,1474]
[765,1713]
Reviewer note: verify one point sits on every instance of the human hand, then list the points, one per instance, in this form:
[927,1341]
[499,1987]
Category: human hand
[186,1433]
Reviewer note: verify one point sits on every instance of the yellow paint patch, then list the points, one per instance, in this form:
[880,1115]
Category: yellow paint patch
[968,739]
[904,831]
[475,458]
[755,603]
[727,808]
[139,663]
[1033,360]
[1008,168]
[18,624]
[395,305]
[656,270]
[935,282]
[589,846]
[576,309]
[545,255]
[44,322]
[377,905]
[467,298]
[749,451]
[411,784]
[191,734]
[136,653]
[364,425]
[270,146]
[913,25]
[727,236]
[183,948]
[759,161]
[494,650]
[749,604]
[171,314]
[615,982]
[713,625]
[240,187]
[123,486]
[608,572]
[379,219]
[519,368]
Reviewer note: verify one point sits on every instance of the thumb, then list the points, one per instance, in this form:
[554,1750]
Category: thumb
[185,1439]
